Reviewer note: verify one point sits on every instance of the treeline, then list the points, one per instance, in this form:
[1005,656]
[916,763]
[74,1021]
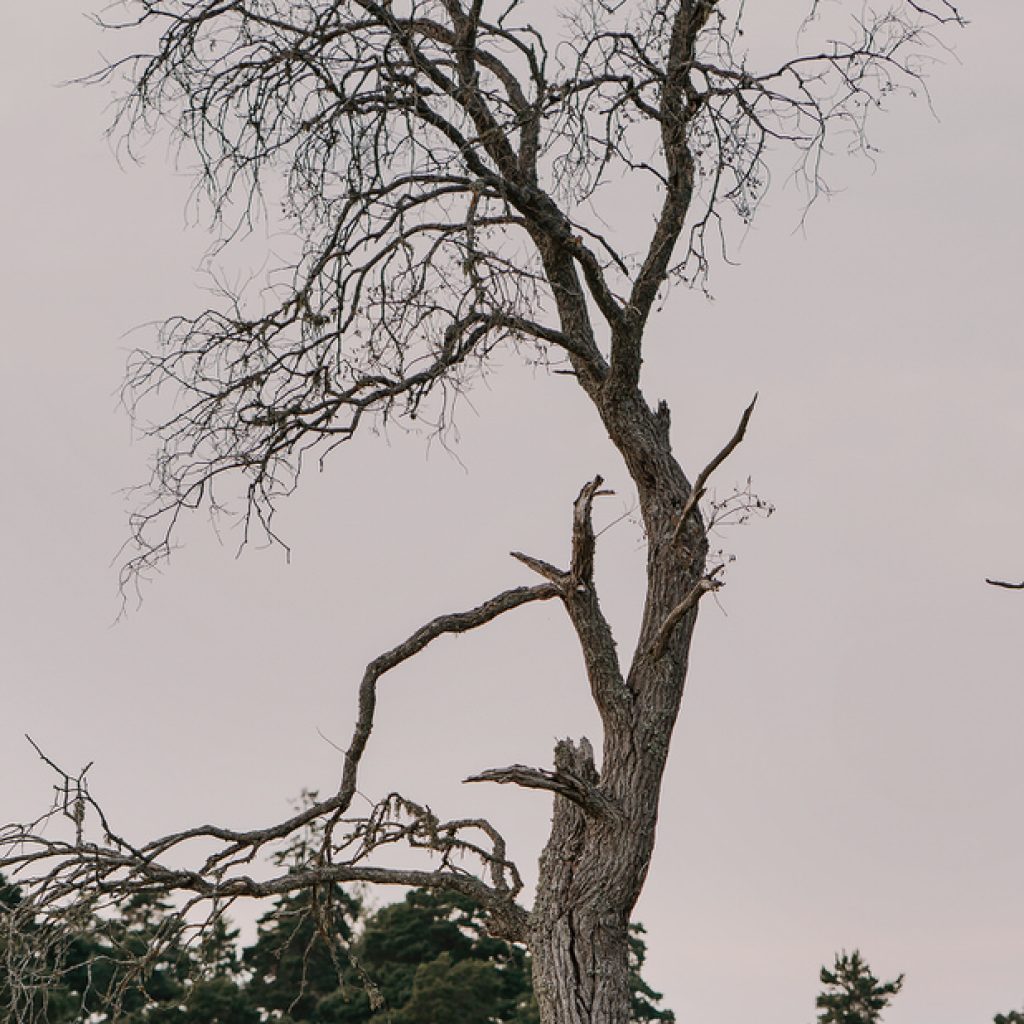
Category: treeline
[324,958]
[321,958]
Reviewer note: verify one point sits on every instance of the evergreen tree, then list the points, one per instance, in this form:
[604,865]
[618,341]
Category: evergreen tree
[46,983]
[10,897]
[467,991]
[138,967]
[1013,1017]
[299,966]
[427,959]
[852,994]
[218,995]
[642,996]
[218,1000]
[434,946]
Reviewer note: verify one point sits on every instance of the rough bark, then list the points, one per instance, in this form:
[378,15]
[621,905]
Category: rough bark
[594,865]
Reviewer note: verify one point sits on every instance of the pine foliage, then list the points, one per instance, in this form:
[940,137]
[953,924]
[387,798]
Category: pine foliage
[852,994]
[319,957]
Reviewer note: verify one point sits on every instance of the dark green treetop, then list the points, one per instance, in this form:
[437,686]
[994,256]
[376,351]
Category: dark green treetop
[852,994]
[1013,1017]
[301,959]
[319,957]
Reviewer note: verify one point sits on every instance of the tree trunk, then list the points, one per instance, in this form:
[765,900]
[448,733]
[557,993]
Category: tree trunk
[594,865]
[580,920]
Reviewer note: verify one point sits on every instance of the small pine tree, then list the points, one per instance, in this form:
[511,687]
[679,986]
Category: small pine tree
[1013,1017]
[643,998]
[852,994]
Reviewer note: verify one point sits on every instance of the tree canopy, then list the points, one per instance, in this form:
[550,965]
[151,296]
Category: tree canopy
[317,958]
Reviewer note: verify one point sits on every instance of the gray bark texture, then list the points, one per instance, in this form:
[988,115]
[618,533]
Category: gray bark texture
[595,863]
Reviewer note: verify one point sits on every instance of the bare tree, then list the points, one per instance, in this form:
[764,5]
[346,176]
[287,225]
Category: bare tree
[440,163]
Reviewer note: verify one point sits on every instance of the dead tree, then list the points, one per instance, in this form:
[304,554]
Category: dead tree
[440,163]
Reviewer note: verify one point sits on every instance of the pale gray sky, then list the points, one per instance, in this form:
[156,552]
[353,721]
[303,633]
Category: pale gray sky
[846,769]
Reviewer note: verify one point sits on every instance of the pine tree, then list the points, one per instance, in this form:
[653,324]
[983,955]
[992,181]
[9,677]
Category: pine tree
[299,966]
[1013,1017]
[49,992]
[642,996]
[427,959]
[139,966]
[852,994]
[432,947]
[318,958]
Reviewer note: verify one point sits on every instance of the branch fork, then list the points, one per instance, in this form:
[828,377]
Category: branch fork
[580,573]
[576,588]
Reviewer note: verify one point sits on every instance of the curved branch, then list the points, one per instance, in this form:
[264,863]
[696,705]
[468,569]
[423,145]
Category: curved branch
[459,622]
[65,876]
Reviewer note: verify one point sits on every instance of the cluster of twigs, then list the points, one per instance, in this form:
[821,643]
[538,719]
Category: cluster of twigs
[430,153]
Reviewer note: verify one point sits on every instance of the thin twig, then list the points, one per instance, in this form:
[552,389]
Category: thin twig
[696,592]
[700,484]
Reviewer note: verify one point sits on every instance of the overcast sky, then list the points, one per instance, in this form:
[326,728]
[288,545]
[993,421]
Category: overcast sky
[847,766]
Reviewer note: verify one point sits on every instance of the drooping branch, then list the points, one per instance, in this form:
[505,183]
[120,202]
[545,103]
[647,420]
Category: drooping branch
[96,867]
[457,623]
[1007,585]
